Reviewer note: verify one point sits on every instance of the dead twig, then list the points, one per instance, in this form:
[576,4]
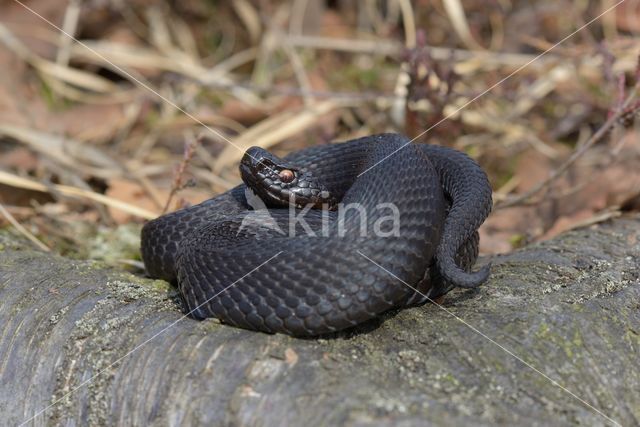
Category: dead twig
[596,137]
[179,182]
[23,230]
[623,112]
[458,19]
[19,182]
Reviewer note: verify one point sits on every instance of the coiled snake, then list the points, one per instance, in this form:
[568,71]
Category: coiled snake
[405,213]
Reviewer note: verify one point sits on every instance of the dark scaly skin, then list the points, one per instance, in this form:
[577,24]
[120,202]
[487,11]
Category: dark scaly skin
[466,184]
[322,284]
[161,237]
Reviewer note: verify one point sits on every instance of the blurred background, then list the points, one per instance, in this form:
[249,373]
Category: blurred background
[113,111]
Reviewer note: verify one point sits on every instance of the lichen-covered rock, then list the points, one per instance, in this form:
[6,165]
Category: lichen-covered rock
[551,339]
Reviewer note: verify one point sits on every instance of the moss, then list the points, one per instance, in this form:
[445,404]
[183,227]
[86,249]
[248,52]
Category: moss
[517,240]
[112,245]
[633,338]
[355,76]
[10,240]
[543,331]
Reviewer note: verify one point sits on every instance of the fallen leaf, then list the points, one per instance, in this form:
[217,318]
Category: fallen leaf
[134,194]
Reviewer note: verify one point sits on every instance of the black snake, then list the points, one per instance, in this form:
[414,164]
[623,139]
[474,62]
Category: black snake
[341,266]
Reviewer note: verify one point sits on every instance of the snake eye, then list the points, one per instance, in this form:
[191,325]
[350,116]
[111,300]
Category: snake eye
[286,175]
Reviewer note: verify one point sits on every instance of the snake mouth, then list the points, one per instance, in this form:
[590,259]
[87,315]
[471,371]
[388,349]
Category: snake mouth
[262,198]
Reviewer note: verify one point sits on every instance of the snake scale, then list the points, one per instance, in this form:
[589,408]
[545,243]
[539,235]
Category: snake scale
[334,267]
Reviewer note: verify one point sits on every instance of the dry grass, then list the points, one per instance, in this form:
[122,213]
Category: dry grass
[98,118]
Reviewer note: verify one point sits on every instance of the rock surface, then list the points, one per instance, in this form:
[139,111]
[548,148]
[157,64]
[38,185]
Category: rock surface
[551,339]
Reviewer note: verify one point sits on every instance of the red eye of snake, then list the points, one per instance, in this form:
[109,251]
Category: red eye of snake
[286,175]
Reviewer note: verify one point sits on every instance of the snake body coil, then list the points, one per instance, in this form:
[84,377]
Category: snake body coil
[324,274]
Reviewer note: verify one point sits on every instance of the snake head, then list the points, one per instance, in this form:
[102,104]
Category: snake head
[279,183]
